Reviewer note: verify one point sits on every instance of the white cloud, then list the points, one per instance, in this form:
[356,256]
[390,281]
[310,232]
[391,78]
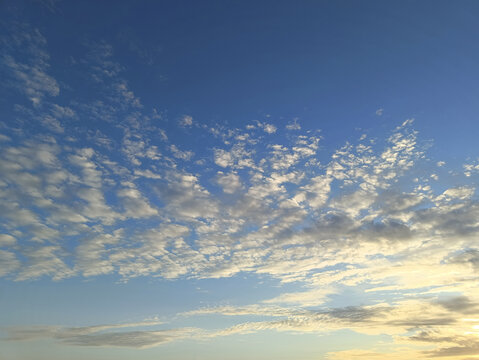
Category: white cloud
[237,157]
[309,298]
[186,121]
[472,168]
[269,128]
[7,240]
[183,155]
[44,261]
[148,174]
[52,124]
[185,197]
[461,193]
[223,158]
[92,255]
[136,206]
[229,182]
[294,125]
[30,74]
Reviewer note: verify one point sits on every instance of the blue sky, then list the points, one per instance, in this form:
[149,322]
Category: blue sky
[239,180]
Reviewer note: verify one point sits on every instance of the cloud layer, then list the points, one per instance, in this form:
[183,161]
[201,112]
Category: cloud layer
[101,184]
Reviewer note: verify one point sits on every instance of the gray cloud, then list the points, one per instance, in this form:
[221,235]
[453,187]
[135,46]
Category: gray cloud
[460,304]
[469,257]
[468,347]
[133,339]
[101,335]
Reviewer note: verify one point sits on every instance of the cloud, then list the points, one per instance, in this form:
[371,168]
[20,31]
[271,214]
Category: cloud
[405,320]
[304,298]
[102,335]
[9,262]
[183,155]
[460,304]
[186,121]
[466,256]
[92,256]
[184,196]
[29,75]
[461,193]
[360,354]
[294,125]
[238,157]
[230,182]
[7,240]
[135,204]
[44,261]
[352,199]
[132,339]
[267,128]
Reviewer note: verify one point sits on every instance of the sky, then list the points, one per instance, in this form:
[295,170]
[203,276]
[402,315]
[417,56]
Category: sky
[235,180]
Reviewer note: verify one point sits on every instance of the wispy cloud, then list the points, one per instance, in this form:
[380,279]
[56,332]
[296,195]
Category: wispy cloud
[102,335]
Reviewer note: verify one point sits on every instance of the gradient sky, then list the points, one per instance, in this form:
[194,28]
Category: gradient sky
[230,180]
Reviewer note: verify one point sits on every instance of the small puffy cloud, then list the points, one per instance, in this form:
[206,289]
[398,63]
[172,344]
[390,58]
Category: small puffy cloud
[52,119]
[461,193]
[186,121]
[229,182]
[179,154]
[223,158]
[379,111]
[92,256]
[186,197]
[125,95]
[62,111]
[52,124]
[316,193]
[294,125]
[147,174]
[44,261]
[7,240]
[472,168]
[136,206]
[237,157]
[269,128]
